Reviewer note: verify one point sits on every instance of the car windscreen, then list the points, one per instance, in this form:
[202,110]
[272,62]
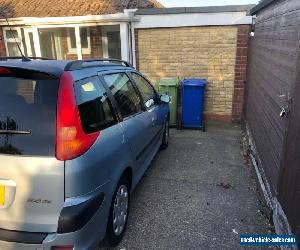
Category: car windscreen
[28,114]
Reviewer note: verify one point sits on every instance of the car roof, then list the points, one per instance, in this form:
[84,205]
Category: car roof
[57,67]
[51,67]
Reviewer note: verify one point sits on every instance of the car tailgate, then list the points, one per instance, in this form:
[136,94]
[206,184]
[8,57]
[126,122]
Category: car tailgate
[34,193]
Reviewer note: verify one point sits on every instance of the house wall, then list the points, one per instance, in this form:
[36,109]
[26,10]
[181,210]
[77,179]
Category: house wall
[64,46]
[217,53]
[96,44]
[271,83]
[2,44]
[240,72]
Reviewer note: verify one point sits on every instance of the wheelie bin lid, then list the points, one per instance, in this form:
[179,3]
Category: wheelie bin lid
[169,81]
[194,82]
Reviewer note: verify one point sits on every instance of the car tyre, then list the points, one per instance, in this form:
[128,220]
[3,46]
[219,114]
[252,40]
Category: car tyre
[165,140]
[118,214]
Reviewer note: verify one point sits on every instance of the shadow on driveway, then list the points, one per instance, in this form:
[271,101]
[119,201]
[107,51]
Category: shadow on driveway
[197,194]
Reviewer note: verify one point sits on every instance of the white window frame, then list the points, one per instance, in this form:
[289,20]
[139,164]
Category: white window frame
[83,50]
[30,50]
[124,37]
[13,40]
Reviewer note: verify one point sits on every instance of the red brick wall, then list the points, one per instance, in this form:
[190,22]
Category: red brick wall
[2,44]
[96,42]
[240,72]
[26,90]
[96,45]
[64,46]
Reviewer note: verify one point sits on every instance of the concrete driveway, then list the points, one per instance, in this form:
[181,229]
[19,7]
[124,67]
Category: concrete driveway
[197,194]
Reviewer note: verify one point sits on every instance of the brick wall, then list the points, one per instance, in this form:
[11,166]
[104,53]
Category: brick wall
[96,45]
[240,72]
[96,42]
[2,44]
[189,52]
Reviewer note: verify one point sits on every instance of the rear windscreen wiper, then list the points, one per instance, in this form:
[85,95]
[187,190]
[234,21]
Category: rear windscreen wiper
[18,132]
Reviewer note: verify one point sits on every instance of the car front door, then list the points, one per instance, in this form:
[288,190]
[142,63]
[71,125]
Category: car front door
[152,104]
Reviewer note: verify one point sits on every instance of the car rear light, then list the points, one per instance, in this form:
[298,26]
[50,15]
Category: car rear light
[4,71]
[71,141]
[64,247]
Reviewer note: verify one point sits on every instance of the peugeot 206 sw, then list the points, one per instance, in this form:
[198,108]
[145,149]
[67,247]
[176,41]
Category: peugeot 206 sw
[75,139]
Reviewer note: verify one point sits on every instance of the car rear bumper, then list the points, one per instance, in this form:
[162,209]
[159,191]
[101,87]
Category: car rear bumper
[82,224]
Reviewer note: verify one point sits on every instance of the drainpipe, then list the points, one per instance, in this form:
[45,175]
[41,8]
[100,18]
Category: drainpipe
[132,49]
[130,43]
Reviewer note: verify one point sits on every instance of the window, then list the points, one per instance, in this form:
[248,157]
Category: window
[13,42]
[84,38]
[111,41]
[114,44]
[95,109]
[28,103]
[124,93]
[146,90]
[31,44]
[50,43]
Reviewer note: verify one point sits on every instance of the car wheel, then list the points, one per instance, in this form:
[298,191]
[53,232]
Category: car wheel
[165,141]
[118,214]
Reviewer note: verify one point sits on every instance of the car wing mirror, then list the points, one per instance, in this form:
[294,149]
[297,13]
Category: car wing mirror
[165,98]
[149,103]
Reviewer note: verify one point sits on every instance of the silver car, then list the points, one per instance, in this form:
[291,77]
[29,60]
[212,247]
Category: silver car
[75,139]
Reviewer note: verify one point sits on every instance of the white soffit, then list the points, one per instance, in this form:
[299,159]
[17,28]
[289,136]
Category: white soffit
[69,20]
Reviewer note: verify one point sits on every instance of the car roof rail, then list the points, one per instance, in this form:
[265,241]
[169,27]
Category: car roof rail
[23,58]
[79,64]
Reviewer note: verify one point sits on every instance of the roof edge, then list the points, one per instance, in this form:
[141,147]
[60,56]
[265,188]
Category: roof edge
[157,4]
[263,4]
[207,9]
[118,17]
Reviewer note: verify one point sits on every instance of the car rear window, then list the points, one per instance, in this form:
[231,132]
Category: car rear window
[28,114]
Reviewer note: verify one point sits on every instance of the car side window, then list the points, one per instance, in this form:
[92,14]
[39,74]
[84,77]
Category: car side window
[146,90]
[94,107]
[124,93]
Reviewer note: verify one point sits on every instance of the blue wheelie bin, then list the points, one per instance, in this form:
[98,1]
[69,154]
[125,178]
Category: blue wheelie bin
[193,92]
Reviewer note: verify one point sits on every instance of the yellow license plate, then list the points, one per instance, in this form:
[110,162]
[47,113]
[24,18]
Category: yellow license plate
[2,195]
